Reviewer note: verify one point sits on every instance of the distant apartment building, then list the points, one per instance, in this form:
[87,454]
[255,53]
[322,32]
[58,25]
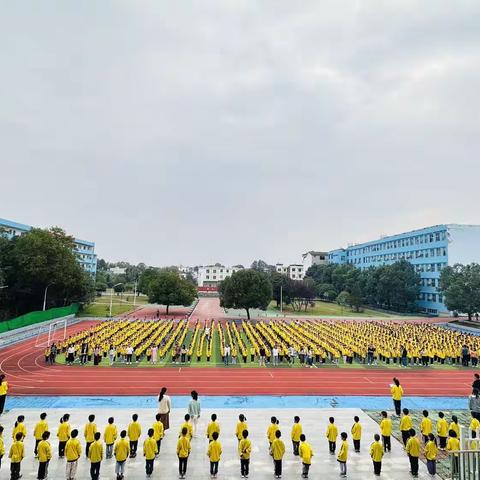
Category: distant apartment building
[187,271]
[428,249]
[212,275]
[84,250]
[117,270]
[294,271]
[313,258]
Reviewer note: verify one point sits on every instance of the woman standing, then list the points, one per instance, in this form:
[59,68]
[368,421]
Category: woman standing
[397,392]
[474,404]
[164,407]
[3,392]
[194,410]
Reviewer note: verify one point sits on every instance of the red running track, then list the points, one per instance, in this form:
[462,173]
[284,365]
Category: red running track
[27,374]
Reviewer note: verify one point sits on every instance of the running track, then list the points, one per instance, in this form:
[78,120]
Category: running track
[28,375]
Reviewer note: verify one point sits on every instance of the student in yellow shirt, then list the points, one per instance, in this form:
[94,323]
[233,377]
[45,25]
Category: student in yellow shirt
[376,454]
[241,426]
[110,435]
[121,450]
[277,450]
[63,434]
[454,425]
[214,453]
[158,431]
[343,455]
[19,428]
[356,434]
[16,455]
[474,425]
[95,454]
[397,393]
[453,445]
[186,424]
[332,434]
[89,433]
[306,453]
[183,451]
[44,451]
[150,451]
[2,446]
[386,431]
[213,426]
[406,425]
[134,432]
[442,431]
[431,451]
[40,427]
[413,450]
[272,429]
[73,450]
[296,432]
[244,451]
[425,426]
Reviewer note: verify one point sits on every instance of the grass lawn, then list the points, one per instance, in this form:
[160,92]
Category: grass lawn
[120,304]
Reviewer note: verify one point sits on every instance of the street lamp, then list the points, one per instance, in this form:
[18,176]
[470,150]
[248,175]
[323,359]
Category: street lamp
[45,295]
[111,296]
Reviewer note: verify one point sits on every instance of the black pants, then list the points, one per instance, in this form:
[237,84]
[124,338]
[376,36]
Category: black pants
[413,464]
[213,468]
[398,406]
[149,467]
[305,469]
[182,465]
[442,441]
[42,470]
[87,448]
[387,444]
[159,443]
[95,470]
[377,468]
[14,471]
[2,403]
[356,445]
[133,447]
[295,447]
[278,467]
[244,466]
[332,446]
[405,436]
[425,439]
[36,447]
[61,449]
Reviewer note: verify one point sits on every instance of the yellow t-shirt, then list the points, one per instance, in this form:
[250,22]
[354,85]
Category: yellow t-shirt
[453,444]
[212,427]
[110,434]
[431,450]
[474,424]
[121,450]
[189,428]
[386,427]
[95,452]
[442,428]
[406,423]
[271,432]
[376,451]
[150,448]
[158,431]
[214,451]
[17,452]
[40,427]
[278,449]
[413,447]
[63,432]
[245,448]
[455,427]
[343,453]
[241,426]
[2,446]
[134,431]
[19,428]
[3,388]
[73,449]
[89,432]
[296,432]
[356,431]
[426,426]
[332,432]
[306,453]
[397,392]
[183,447]
[44,451]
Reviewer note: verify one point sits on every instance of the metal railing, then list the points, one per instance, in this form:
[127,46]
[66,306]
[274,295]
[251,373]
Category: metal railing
[465,464]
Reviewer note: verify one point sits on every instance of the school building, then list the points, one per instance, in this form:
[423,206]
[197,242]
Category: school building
[84,250]
[429,249]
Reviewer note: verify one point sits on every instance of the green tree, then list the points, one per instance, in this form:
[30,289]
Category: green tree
[281,288]
[246,289]
[145,279]
[169,288]
[343,299]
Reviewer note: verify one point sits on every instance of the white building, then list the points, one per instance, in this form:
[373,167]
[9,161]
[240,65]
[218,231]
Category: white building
[212,275]
[184,271]
[314,258]
[294,271]
[117,270]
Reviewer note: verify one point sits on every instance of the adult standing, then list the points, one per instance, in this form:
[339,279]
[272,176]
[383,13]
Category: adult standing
[397,393]
[3,392]
[194,410]
[404,356]
[154,354]
[164,407]
[474,404]
[476,382]
[226,355]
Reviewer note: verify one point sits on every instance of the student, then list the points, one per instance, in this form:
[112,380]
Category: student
[183,451]
[121,451]
[110,435]
[296,432]
[2,446]
[306,453]
[277,449]
[241,426]
[44,451]
[474,425]
[386,431]
[213,426]
[453,445]
[442,431]
[3,392]
[214,453]
[19,428]
[95,454]
[406,425]
[134,432]
[194,410]
[273,427]
[356,434]
[376,454]
[455,426]
[158,431]
[89,433]
[150,451]
[63,434]
[73,450]
[413,450]
[332,434]
[343,455]
[244,451]
[431,452]
[16,455]
[425,426]
[40,427]
[397,393]
[186,424]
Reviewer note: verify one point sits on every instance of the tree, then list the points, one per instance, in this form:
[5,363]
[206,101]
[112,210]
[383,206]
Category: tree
[355,287]
[169,288]
[145,279]
[460,286]
[262,266]
[281,288]
[246,289]
[343,299]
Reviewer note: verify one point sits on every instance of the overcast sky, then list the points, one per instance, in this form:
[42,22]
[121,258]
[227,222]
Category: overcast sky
[192,132]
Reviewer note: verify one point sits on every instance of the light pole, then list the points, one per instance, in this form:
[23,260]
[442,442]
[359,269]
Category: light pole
[135,295]
[111,296]
[281,298]
[45,295]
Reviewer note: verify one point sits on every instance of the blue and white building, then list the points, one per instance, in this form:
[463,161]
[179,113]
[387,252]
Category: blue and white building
[429,249]
[84,250]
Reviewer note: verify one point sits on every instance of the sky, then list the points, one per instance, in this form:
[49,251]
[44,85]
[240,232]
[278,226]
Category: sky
[196,132]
